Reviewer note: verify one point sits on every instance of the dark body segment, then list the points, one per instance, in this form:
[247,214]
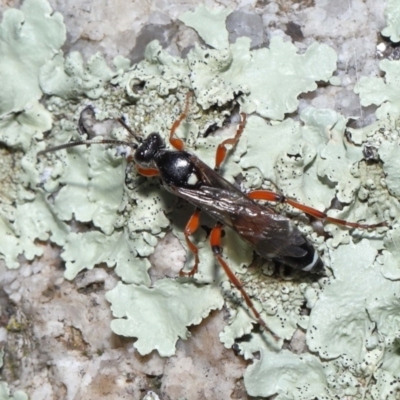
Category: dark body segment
[272,235]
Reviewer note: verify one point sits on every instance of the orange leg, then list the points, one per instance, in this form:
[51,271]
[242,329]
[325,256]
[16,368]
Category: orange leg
[272,196]
[215,241]
[221,150]
[191,228]
[147,171]
[176,142]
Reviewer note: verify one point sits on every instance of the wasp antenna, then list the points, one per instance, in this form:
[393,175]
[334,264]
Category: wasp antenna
[87,142]
[138,138]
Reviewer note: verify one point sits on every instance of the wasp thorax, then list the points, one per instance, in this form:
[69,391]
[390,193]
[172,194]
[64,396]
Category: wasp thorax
[144,154]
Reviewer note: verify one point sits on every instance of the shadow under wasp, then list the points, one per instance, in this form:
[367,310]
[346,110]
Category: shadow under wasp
[272,235]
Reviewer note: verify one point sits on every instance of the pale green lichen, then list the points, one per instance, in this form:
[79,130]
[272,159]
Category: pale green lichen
[279,302]
[257,72]
[287,375]
[353,324]
[386,370]
[93,180]
[20,129]
[69,78]
[6,395]
[389,154]
[28,38]
[36,220]
[390,256]
[158,316]
[85,250]
[209,24]
[392,14]
[288,157]
[346,319]
[341,329]
[383,92]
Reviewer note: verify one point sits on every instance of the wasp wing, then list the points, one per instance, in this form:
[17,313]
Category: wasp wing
[272,235]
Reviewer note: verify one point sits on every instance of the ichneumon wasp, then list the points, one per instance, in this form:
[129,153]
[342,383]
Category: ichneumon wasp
[272,235]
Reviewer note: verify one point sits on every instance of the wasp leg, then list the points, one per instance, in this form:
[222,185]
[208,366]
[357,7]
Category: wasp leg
[147,171]
[176,142]
[191,228]
[215,241]
[222,150]
[276,197]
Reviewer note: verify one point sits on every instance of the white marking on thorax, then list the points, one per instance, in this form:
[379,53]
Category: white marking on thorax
[192,180]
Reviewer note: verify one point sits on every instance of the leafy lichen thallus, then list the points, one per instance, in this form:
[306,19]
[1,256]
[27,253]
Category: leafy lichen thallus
[272,235]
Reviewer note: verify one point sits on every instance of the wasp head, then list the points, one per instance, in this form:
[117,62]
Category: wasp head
[145,153]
